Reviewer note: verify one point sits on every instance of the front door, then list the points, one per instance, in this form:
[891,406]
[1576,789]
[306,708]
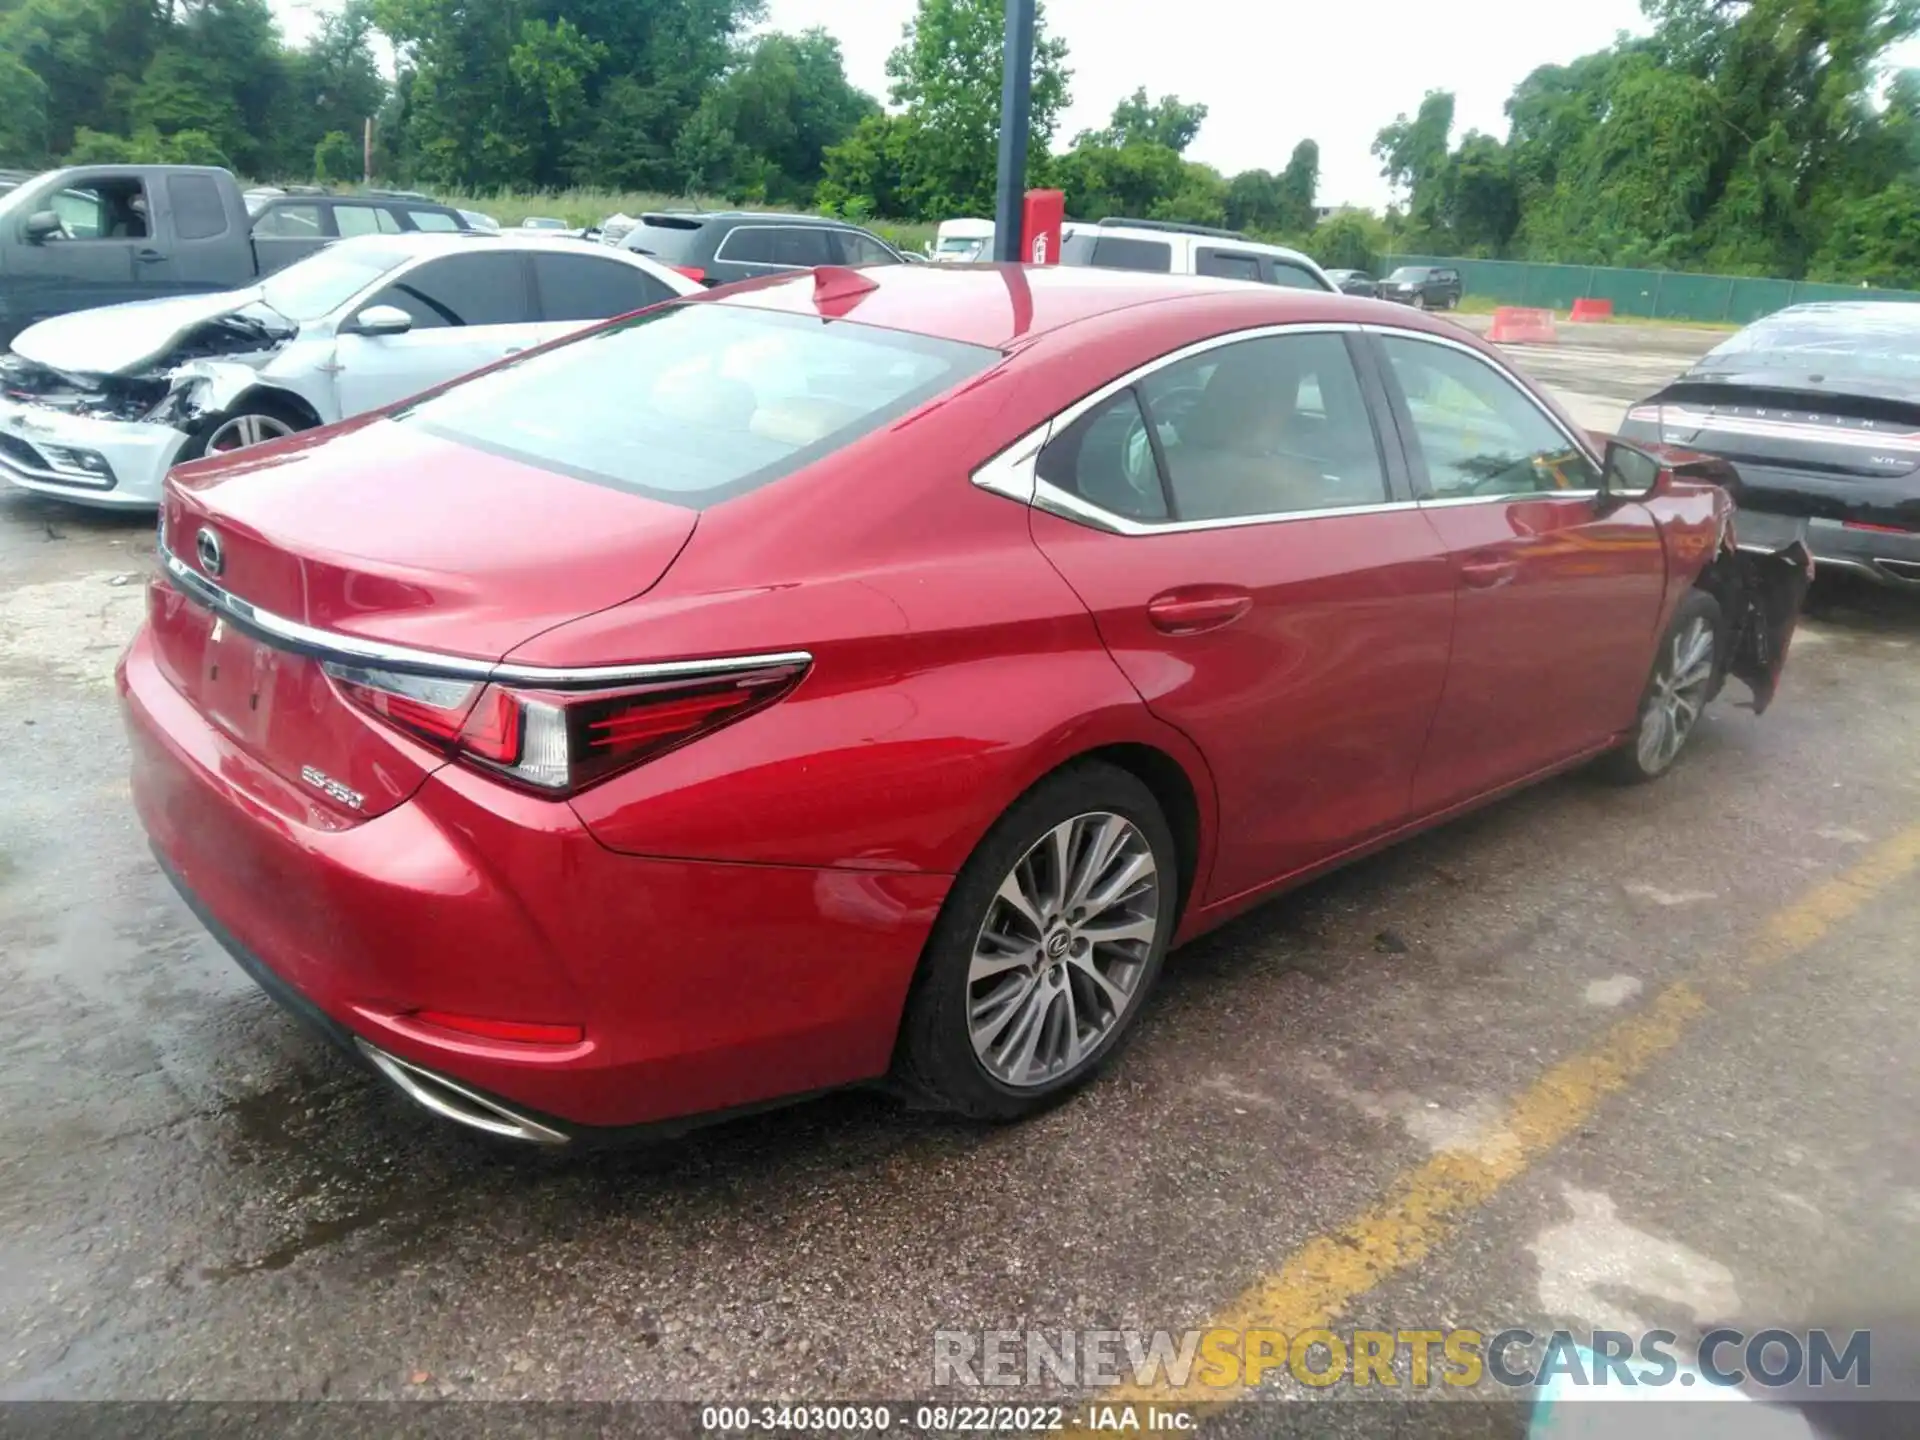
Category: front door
[1559,589]
[468,310]
[1264,586]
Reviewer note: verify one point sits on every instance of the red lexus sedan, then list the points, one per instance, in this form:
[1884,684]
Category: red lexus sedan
[869,674]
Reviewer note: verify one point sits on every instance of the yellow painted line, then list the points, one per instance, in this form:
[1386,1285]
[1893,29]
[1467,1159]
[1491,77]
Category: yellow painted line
[1425,1206]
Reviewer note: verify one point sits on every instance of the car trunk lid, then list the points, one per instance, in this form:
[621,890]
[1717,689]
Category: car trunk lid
[379,546]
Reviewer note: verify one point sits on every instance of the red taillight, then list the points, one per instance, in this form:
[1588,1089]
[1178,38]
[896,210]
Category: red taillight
[692,272]
[555,741]
[519,1032]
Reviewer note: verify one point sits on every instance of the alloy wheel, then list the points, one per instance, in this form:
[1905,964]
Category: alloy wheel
[1679,695]
[244,430]
[1058,960]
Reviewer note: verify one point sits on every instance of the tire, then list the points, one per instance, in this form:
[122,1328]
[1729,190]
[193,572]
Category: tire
[1003,984]
[1682,682]
[262,417]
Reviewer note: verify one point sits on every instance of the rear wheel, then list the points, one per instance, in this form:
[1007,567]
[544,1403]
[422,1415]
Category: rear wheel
[1046,948]
[1685,672]
[252,422]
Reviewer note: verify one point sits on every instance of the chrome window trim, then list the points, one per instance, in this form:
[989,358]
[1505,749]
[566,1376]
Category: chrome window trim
[1506,497]
[330,645]
[1014,471]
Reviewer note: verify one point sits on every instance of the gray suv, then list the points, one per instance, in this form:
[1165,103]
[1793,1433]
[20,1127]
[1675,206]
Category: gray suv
[717,247]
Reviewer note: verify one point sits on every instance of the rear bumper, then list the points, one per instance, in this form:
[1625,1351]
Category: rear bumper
[138,454]
[1886,557]
[702,987]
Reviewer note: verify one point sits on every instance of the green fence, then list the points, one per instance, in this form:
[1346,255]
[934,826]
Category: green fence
[1662,294]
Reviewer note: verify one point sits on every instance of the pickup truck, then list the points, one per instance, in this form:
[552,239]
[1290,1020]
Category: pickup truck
[102,234]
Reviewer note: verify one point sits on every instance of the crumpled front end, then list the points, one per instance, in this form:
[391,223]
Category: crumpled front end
[107,437]
[86,439]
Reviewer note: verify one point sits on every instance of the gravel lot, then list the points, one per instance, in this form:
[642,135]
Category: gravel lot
[196,1201]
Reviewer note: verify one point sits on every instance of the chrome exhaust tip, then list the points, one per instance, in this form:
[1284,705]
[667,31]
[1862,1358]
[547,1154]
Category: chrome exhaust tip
[453,1101]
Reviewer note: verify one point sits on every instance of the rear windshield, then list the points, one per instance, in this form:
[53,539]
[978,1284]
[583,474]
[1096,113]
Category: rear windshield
[1866,342]
[1117,252]
[668,240]
[698,403]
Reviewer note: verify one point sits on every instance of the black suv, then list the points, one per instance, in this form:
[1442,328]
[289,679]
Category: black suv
[718,247]
[1426,287]
[290,224]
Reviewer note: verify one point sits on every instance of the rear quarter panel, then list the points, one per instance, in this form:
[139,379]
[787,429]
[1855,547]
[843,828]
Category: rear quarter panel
[953,667]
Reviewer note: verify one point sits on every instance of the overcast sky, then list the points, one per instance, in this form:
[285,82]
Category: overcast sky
[1271,74]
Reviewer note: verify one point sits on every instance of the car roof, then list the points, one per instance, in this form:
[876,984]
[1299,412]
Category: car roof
[409,244]
[708,217]
[1219,239]
[999,305]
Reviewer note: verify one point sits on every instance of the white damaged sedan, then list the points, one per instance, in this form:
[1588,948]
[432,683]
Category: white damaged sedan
[96,406]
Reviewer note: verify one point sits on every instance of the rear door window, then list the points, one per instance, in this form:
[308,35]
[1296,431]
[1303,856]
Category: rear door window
[432,220]
[1289,276]
[1226,264]
[859,248]
[799,246]
[365,220]
[693,404]
[1120,252]
[292,222]
[477,289]
[585,287]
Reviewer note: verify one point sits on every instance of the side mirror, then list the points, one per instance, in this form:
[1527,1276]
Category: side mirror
[1630,473]
[42,226]
[381,320]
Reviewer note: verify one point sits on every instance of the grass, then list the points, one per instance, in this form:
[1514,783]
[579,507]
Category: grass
[582,207]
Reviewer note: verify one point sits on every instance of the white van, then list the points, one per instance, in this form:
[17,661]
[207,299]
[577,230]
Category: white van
[962,242]
[1166,248]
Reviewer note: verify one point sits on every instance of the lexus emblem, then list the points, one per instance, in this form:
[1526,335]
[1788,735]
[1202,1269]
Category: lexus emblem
[206,549]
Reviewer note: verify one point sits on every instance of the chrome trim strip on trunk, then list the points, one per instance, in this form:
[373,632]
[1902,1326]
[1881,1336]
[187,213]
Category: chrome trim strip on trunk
[329,645]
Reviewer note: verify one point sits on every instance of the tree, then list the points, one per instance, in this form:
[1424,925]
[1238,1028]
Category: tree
[946,73]
[1299,184]
[766,127]
[1413,155]
[1254,202]
[1480,202]
[868,172]
[336,157]
[1170,122]
[1349,240]
[23,113]
[1875,239]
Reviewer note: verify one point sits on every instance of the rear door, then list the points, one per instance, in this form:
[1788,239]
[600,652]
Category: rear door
[290,230]
[1560,591]
[572,290]
[210,250]
[468,310]
[1258,569]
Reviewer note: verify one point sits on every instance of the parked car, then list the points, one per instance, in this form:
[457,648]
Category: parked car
[877,672]
[96,406]
[962,242]
[1425,287]
[1355,282]
[1818,407]
[96,235]
[716,247]
[1164,248]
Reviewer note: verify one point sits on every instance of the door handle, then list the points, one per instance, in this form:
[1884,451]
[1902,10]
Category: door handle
[149,256]
[1487,574]
[1197,610]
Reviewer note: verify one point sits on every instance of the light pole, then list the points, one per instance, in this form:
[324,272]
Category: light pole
[1016,104]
